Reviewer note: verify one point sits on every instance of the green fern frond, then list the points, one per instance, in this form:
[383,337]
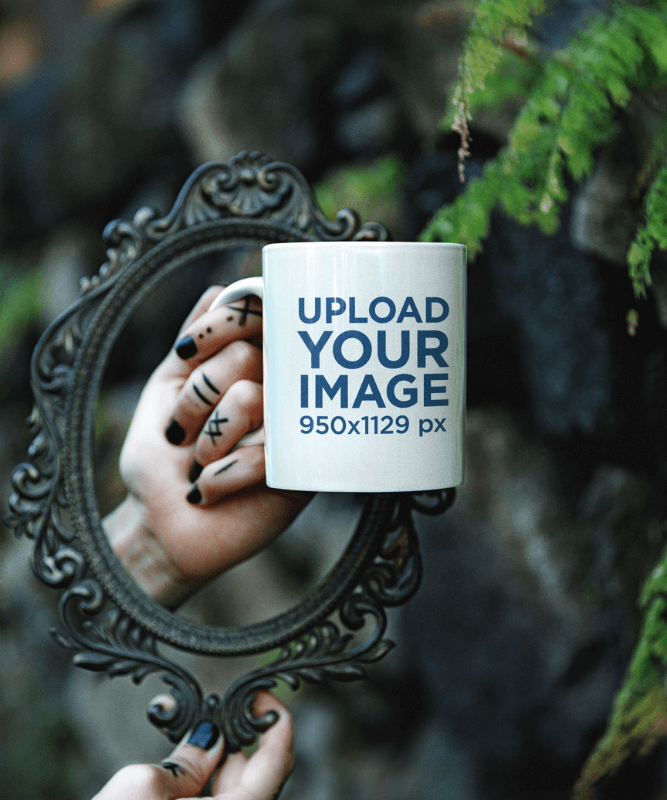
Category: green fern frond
[512,80]
[572,110]
[639,718]
[651,234]
[493,24]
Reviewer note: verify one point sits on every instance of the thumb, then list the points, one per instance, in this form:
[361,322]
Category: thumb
[193,761]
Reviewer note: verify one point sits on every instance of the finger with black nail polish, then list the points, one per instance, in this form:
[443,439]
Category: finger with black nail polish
[208,385]
[239,470]
[184,772]
[186,347]
[213,330]
[204,736]
[175,433]
[194,496]
[238,414]
[195,471]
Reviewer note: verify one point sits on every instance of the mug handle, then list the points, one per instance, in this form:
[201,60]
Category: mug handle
[239,289]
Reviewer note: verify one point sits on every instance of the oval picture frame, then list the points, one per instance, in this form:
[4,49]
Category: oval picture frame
[106,619]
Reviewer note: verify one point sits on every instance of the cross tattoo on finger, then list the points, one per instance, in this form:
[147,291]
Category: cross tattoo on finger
[213,429]
[245,311]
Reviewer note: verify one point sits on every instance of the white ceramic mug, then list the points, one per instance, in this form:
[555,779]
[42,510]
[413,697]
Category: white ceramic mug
[364,364]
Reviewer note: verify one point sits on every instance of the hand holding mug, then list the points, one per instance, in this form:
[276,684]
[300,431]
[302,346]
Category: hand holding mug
[193,459]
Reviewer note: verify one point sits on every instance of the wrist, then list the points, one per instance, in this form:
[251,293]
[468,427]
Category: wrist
[142,555]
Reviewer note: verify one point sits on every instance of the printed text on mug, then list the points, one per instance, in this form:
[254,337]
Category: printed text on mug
[418,352]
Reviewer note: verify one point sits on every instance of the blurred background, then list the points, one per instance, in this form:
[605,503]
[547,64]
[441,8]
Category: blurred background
[510,655]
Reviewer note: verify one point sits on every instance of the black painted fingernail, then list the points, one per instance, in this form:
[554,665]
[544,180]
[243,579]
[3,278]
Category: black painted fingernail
[204,736]
[194,496]
[195,471]
[174,433]
[186,347]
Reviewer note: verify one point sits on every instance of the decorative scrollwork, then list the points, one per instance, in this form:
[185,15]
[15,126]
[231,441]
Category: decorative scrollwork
[38,506]
[251,186]
[118,645]
[433,503]
[325,651]
[110,624]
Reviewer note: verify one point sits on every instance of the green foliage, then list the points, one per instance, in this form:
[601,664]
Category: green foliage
[20,299]
[652,233]
[373,190]
[19,304]
[496,28]
[574,102]
[639,718]
[511,81]
[495,25]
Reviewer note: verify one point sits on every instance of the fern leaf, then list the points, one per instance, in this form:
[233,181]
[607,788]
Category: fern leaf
[639,718]
[483,51]
[652,234]
[570,113]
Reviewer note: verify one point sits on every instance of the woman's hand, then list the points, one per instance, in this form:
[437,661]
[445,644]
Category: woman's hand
[197,502]
[185,772]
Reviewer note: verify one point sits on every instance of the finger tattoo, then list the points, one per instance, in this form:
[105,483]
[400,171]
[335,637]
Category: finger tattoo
[201,395]
[209,384]
[213,429]
[173,767]
[245,311]
[226,467]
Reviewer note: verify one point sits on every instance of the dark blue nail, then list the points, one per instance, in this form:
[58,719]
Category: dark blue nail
[204,736]
[195,471]
[174,433]
[186,347]
[194,496]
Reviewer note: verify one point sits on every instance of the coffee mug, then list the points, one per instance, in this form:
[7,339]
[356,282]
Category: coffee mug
[364,364]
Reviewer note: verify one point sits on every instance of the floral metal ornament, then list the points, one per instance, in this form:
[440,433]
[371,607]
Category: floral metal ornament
[106,619]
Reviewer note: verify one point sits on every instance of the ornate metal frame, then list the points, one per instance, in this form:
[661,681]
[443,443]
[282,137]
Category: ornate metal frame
[111,624]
